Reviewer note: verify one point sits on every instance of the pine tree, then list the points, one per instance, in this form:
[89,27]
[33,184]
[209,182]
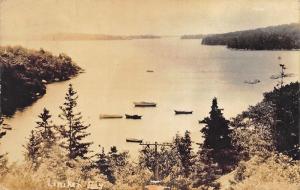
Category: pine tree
[33,149]
[46,129]
[104,165]
[206,171]
[216,131]
[74,130]
[117,159]
[216,134]
[184,149]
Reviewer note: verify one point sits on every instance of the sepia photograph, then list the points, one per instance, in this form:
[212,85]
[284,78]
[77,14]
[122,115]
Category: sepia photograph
[149,94]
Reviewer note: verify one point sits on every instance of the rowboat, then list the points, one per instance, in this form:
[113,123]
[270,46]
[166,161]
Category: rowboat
[183,112]
[144,104]
[150,71]
[7,128]
[108,116]
[133,116]
[134,140]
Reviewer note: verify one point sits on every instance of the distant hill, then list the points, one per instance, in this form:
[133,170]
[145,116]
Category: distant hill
[192,36]
[270,38]
[81,36]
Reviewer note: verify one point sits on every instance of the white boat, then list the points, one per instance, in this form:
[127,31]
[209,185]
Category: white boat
[144,104]
[110,116]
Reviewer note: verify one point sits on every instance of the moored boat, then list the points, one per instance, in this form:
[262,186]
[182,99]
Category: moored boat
[183,112]
[133,116]
[7,128]
[144,104]
[134,140]
[110,116]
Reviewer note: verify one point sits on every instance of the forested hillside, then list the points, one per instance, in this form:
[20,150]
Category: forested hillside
[24,74]
[270,38]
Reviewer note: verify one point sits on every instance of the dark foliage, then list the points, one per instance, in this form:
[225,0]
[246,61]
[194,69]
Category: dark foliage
[33,149]
[73,131]
[207,171]
[285,101]
[2,132]
[105,167]
[165,160]
[216,134]
[46,128]
[24,74]
[274,37]
[183,147]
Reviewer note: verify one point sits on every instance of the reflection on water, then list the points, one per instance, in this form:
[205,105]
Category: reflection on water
[187,75]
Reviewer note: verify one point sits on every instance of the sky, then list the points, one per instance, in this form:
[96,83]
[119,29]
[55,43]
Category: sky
[25,18]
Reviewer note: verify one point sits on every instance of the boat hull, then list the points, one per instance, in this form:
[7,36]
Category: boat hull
[183,112]
[111,116]
[133,116]
[144,104]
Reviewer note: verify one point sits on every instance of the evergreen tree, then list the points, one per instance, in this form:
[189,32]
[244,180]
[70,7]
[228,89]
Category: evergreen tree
[184,149]
[216,135]
[73,131]
[118,159]
[285,101]
[46,129]
[104,165]
[206,171]
[216,131]
[33,149]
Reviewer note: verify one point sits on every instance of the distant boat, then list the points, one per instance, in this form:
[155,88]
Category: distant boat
[133,116]
[281,75]
[150,71]
[144,104]
[183,112]
[7,128]
[255,81]
[108,116]
[134,140]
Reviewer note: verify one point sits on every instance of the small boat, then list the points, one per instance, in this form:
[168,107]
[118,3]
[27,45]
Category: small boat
[150,71]
[134,140]
[133,116]
[183,112]
[255,81]
[144,104]
[107,116]
[7,128]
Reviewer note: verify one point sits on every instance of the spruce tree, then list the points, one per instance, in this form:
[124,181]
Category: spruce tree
[74,130]
[216,134]
[33,149]
[46,129]
[104,165]
[118,159]
[184,149]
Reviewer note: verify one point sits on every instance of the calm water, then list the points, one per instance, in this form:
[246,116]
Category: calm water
[187,76]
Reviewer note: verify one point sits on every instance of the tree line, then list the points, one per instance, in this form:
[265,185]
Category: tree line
[269,38]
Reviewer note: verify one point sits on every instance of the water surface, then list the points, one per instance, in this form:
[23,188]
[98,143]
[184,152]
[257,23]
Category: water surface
[187,75]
